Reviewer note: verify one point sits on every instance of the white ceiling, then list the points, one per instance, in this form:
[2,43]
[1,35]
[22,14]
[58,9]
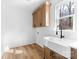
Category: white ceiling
[28,4]
[55,1]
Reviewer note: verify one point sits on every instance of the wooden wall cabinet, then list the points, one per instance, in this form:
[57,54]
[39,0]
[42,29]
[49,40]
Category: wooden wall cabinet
[73,53]
[41,16]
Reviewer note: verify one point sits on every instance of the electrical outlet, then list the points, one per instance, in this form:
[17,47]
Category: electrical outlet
[38,33]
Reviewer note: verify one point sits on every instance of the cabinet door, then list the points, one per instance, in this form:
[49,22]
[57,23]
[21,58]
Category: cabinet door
[39,17]
[52,54]
[73,53]
[43,15]
[47,53]
[55,55]
[34,21]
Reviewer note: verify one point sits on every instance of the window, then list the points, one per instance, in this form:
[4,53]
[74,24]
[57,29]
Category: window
[66,9]
[64,15]
[66,23]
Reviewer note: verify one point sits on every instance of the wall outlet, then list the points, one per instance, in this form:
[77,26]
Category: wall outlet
[38,33]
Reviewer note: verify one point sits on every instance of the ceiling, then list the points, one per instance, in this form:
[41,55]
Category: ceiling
[28,4]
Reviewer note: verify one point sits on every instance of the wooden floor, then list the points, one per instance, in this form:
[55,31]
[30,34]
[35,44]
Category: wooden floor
[24,52]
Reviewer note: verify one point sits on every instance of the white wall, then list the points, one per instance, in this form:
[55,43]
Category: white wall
[51,30]
[16,26]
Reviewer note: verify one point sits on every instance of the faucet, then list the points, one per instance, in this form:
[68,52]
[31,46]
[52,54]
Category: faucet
[61,33]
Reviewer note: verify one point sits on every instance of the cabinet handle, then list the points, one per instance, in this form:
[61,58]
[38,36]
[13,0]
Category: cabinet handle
[40,24]
[34,25]
[51,53]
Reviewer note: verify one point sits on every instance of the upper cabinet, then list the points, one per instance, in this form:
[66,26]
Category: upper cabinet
[41,16]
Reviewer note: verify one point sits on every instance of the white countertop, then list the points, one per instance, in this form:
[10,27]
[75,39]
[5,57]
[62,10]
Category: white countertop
[73,44]
[63,41]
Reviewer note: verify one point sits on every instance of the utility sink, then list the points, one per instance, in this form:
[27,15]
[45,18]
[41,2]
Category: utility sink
[56,40]
[61,46]
[63,41]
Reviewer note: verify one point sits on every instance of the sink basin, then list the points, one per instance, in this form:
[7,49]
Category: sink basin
[56,40]
[61,46]
[63,41]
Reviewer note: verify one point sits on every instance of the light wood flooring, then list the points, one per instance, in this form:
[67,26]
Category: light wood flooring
[24,52]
